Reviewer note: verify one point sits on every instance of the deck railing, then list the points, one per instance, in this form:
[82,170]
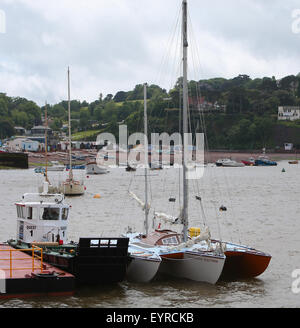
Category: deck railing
[34,257]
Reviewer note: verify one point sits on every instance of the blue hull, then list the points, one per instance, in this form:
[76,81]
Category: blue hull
[265,163]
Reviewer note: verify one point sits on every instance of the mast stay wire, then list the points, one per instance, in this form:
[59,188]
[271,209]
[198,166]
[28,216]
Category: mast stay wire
[202,120]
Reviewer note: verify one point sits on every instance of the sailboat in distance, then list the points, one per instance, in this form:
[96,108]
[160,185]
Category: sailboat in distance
[47,184]
[182,256]
[71,186]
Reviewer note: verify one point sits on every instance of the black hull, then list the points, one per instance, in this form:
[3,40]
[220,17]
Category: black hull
[16,160]
[104,264]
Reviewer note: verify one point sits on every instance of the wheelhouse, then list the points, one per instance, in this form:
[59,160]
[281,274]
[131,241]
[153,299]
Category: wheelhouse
[42,219]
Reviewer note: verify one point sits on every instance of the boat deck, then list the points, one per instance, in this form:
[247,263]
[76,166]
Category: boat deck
[24,275]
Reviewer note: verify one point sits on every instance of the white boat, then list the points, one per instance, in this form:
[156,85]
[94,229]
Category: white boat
[143,265]
[232,163]
[94,168]
[227,162]
[71,186]
[56,167]
[44,170]
[182,256]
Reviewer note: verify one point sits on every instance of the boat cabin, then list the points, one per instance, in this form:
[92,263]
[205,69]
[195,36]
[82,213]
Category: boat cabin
[162,238]
[42,219]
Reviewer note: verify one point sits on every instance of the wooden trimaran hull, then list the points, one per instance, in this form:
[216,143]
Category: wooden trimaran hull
[243,262]
[244,265]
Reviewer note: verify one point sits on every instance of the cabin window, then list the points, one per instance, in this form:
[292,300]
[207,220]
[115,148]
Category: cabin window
[29,213]
[51,214]
[65,212]
[20,212]
[170,241]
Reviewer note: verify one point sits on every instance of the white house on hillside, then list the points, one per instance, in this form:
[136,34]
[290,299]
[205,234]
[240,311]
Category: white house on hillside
[288,113]
[25,144]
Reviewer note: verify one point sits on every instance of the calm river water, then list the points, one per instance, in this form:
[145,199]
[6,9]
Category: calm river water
[263,211]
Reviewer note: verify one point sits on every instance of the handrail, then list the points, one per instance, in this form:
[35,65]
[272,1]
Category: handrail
[34,256]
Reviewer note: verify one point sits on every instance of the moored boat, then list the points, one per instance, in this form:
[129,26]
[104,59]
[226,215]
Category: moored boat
[71,186]
[249,162]
[180,255]
[42,221]
[229,163]
[94,168]
[243,262]
[265,161]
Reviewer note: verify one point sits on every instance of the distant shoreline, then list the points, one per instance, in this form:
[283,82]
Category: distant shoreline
[209,156]
[213,156]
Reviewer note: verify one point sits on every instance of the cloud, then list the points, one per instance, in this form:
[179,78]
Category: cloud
[114,45]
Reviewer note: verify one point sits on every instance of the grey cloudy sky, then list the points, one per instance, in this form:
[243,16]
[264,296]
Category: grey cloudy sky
[112,45]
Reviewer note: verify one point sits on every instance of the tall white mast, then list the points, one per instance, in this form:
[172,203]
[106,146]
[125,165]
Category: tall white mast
[46,143]
[185,119]
[70,140]
[146,159]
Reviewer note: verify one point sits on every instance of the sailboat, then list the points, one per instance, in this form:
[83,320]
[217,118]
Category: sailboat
[181,256]
[50,188]
[71,186]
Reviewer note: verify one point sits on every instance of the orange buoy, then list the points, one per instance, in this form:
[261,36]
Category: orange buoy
[97,196]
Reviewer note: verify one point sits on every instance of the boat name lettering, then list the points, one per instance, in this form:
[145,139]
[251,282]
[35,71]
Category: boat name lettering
[31,227]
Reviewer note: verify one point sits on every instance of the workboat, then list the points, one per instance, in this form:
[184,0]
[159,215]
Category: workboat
[42,221]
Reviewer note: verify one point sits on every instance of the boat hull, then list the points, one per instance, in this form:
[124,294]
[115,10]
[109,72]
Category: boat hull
[193,266]
[142,270]
[94,169]
[70,189]
[89,264]
[248,163]
[244,265]
[265,163]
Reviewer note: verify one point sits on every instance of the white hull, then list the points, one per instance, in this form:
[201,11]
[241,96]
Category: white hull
[56,168]
[233,164]
[95,169]
[51,189]
[194,266]
[72,189]
[142,269]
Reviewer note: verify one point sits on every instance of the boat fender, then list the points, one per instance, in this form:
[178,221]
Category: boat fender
[223,209]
